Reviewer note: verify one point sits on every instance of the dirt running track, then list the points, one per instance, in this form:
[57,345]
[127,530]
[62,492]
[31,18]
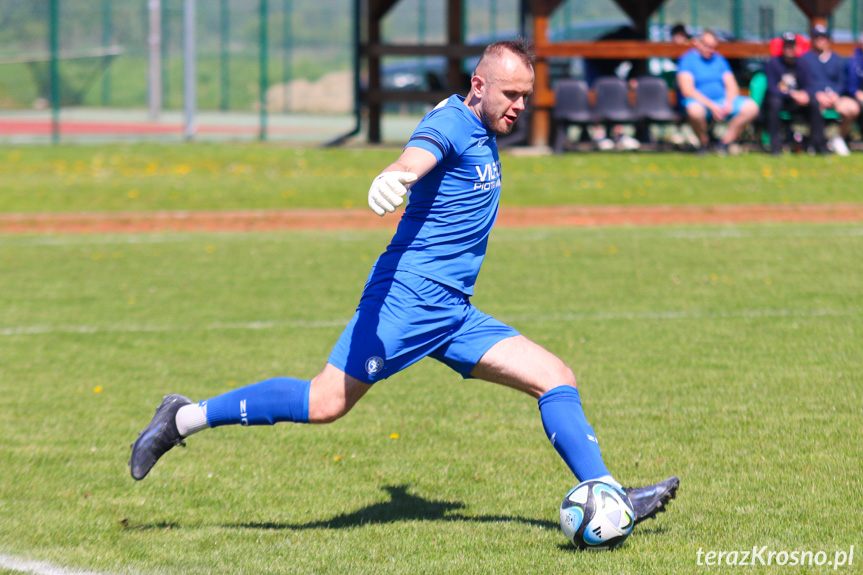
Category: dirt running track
[363,219]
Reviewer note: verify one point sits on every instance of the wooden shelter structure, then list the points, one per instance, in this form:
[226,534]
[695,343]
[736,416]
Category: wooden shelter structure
[540,12]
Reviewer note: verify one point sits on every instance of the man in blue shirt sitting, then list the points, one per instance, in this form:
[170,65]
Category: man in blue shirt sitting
[829,84]
[710,90]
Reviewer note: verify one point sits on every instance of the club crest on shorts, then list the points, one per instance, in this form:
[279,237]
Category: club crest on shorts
[374,364]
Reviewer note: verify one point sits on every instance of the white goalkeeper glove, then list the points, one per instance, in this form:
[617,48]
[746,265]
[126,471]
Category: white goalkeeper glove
[388,190]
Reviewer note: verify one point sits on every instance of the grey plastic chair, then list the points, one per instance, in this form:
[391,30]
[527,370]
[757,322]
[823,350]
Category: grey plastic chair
[571,108]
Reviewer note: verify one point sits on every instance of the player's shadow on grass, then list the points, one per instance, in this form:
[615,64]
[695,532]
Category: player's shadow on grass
[402,506]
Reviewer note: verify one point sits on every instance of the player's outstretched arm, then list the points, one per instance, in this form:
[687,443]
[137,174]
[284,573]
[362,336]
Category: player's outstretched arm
[389,188]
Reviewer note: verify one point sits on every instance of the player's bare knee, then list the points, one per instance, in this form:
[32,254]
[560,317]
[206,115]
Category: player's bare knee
[327,407]
[559,376]
[332,394]
[328,412]
[566,377]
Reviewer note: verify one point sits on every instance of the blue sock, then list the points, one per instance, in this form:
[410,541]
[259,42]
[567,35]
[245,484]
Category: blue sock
[265,403]
[570,434]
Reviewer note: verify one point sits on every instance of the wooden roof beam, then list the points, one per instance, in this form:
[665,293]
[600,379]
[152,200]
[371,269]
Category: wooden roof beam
[639,11]
[545,8]
[818,11]
[379,8]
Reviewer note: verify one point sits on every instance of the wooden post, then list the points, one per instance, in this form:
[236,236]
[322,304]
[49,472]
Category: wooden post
[374,104]
[540,121]
[455,19]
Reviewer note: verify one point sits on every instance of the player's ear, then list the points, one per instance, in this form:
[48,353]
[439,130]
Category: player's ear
[477,83]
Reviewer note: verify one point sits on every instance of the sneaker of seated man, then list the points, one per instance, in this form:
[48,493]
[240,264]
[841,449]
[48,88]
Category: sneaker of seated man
[710,91]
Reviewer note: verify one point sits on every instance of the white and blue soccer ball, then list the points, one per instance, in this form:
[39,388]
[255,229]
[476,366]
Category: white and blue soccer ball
[595,515]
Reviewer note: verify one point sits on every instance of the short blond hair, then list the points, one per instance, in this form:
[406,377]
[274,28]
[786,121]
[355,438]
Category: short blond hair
[518,46]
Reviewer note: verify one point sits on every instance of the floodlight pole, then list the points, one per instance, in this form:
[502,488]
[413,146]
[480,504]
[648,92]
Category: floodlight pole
[224,54]
[55,75]
[287,41]
[421,34]
[189,70]
[154,70]
[855,25]
[355,42]
[492,20]
[107,34]
[737,19]
[264,63]
[523,11]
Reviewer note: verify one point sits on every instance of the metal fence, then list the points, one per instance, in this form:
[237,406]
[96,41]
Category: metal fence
[288,61]
[104,49]
[292,55]
[760,19]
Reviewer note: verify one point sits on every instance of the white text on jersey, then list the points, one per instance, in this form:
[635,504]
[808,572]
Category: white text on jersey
[489,176]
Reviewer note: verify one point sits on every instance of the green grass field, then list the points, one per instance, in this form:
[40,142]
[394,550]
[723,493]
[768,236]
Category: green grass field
[220,177]
[729,356]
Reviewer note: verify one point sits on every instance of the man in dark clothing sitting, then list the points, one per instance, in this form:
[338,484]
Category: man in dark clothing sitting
[854,73]
[788,84]
[828,84]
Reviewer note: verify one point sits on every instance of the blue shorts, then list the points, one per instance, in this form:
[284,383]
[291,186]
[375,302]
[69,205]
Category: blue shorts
[736,105]
[403,317]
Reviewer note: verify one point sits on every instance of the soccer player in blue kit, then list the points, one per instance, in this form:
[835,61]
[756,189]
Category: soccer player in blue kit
[416,301]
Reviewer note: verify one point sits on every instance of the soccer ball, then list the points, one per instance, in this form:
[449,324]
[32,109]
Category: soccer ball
[595,515]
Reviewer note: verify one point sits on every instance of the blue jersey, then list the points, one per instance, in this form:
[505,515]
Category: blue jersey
[444,230]
[708,73]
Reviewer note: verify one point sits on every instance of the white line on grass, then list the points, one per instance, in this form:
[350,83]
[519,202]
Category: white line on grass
[701,233]
[39,567]
[709,232]
[302,324]
[120,328]
[190,237]
[87,240]
[671,315]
